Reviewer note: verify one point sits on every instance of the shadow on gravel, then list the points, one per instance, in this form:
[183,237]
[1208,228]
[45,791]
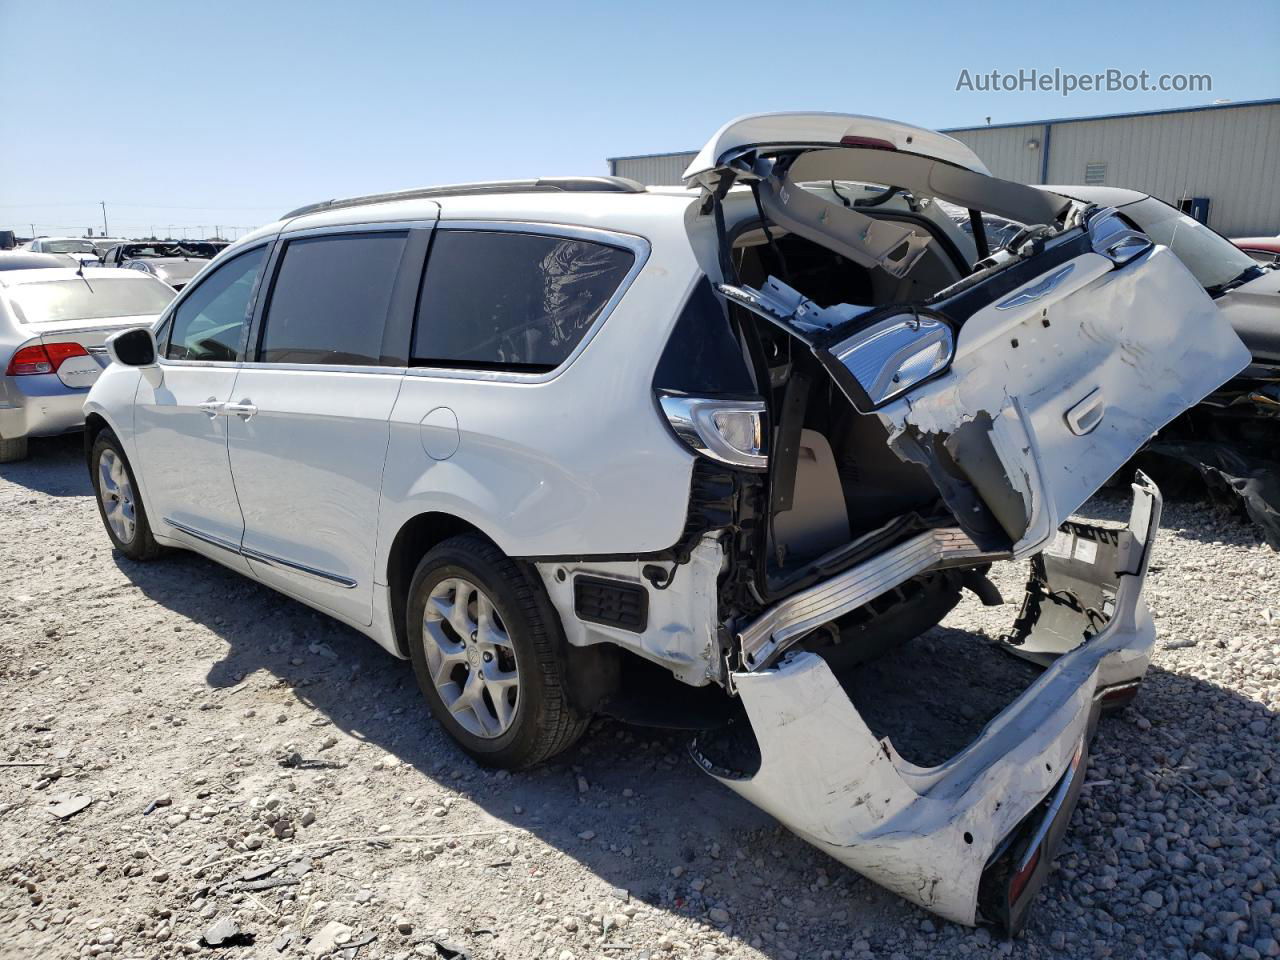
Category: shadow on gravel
[677,824]
[54,466]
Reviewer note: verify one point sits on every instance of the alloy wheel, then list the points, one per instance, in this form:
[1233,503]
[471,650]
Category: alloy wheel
[116,493]
[470,657]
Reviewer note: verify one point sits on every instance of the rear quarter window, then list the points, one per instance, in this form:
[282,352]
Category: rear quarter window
[512,301]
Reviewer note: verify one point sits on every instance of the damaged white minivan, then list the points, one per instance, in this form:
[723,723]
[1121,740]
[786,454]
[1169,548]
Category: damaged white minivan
[698,457]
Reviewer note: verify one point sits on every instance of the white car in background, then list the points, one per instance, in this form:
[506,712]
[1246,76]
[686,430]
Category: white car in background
[53,324]
[573,446]
[83,250]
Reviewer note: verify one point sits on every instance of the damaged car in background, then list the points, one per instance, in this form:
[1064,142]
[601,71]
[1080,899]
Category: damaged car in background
[1231,441]
[715,453]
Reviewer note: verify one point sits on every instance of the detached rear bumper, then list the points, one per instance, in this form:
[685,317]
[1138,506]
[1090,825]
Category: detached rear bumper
[971,839]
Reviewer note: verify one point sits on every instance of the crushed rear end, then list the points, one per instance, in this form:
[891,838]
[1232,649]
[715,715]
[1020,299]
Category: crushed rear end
[971,838]
[912,417]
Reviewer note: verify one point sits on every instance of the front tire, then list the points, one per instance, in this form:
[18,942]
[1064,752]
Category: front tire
[488,654]
[119,502]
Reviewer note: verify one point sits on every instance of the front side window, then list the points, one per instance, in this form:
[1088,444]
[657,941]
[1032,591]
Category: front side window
[330,299]
[514,301]
[209,323]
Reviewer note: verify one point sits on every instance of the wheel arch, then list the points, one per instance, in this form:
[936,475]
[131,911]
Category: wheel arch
[94,424]
[416,536]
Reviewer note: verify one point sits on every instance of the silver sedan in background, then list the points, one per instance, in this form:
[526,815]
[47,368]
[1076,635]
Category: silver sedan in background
[54,323]
[175,271]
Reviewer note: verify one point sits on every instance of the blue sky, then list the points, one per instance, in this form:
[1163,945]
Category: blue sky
[230,112]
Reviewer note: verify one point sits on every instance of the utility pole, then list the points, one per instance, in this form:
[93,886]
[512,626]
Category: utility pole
[105,231]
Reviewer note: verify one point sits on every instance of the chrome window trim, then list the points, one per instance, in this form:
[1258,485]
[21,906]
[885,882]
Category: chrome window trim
[253,365]
[639,247]
[268,559]
[371,226]
[229,364]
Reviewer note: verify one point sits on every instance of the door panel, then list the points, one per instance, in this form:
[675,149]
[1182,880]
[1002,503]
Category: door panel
[180,437]
[180,426]
[307,451]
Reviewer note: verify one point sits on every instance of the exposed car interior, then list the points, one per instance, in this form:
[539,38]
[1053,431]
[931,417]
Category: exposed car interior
[848,482]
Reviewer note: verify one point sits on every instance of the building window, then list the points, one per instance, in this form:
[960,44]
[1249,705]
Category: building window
[1095,174]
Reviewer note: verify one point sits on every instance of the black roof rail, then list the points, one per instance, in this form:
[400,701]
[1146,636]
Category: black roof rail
[540,185]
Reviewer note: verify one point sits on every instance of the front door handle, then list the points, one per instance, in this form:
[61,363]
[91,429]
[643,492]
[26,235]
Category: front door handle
[243,409]
[211,406]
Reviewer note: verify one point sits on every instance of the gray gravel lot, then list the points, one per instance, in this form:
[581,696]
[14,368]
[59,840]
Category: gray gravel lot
[217,730]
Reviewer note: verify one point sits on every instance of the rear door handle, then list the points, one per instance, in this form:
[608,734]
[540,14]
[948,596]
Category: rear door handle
[243,409]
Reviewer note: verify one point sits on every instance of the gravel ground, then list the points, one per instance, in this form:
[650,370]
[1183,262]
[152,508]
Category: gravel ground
[217,730]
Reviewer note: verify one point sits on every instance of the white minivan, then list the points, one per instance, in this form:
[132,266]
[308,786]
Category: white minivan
[695,456]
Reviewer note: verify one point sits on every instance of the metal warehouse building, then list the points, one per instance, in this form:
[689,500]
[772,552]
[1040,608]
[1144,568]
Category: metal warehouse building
[1220,163]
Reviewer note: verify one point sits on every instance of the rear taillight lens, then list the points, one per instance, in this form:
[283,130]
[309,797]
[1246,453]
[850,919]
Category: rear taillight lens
[731,431]
[28,361]
[43,358]
[59,352]
[1018,882]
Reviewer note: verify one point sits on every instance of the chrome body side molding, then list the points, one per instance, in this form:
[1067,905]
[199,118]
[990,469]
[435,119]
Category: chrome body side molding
[268,559]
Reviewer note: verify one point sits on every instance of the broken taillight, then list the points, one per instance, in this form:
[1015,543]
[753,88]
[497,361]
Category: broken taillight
[43,358]
[1018,882]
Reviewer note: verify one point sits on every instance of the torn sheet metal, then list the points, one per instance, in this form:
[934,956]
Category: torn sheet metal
[929,834]
[1071,383]
[681,630]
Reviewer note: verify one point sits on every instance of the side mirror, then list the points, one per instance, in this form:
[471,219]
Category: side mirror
[133,348]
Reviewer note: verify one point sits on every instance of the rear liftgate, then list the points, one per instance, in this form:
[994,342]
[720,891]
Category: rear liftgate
[972,839]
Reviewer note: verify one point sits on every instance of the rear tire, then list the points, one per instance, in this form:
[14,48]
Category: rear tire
[12,450]
[119,500]
[496,680]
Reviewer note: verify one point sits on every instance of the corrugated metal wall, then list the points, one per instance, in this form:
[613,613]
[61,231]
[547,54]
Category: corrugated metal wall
[1005,152]
[662,169]
[1229,154]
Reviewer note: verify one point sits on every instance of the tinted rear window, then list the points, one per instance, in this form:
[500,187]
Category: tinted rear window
[521,301]
[330,300]
[95,299]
